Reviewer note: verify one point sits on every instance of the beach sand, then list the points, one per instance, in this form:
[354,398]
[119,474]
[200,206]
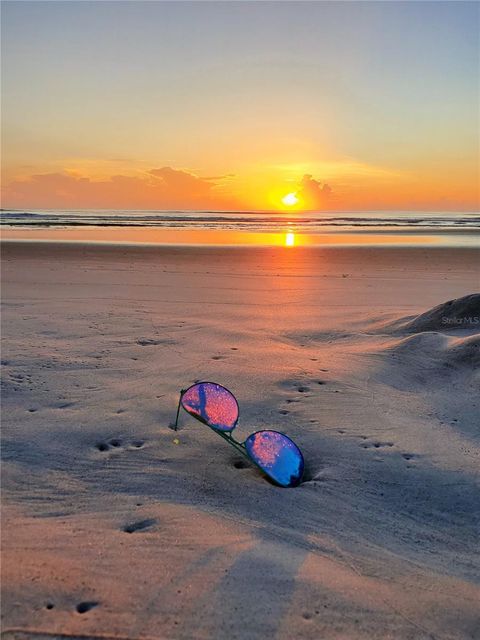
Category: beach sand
[112,528]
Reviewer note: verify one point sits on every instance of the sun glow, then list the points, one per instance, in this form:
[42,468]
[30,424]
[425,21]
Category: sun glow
[290,199]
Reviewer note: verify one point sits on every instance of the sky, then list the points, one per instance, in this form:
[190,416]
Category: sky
[234,105]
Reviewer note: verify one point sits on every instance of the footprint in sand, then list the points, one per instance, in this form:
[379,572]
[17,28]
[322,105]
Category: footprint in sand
[149,342]
[139,525]
[83,607]
[64,405]
[241,464]
[377,445]
[118,443]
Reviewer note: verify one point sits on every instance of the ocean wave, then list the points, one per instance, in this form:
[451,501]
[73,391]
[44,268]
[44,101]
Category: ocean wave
[243,220]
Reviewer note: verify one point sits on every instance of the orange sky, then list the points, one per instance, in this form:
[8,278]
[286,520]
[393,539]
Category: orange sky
[233,105]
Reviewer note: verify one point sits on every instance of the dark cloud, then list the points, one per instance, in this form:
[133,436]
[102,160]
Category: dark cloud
[176,180]
[313,193]
[164,188]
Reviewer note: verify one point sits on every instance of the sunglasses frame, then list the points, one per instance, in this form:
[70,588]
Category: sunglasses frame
[227,435]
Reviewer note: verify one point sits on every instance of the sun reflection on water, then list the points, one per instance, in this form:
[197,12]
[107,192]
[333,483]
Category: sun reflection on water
[289,239]
[220,237]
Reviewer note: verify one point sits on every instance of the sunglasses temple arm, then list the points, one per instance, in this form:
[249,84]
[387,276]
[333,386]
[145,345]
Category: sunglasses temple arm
[178,411]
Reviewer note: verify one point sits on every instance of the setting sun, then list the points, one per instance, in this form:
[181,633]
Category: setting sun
[290,199]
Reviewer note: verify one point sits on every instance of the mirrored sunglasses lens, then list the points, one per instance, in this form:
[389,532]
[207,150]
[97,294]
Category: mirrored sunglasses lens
[277,455]
[213,404]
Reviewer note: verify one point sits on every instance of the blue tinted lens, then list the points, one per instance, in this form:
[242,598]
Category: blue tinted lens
[277,455]
[213,404]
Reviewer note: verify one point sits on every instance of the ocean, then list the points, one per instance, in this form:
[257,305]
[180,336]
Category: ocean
[228,227]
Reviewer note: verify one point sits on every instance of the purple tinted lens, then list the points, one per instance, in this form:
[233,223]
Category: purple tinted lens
[277,455]
[212,404]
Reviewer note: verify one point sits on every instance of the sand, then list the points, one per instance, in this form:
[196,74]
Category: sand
[112,529]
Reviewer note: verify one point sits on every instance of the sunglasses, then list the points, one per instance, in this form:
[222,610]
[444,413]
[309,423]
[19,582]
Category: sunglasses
[273,452]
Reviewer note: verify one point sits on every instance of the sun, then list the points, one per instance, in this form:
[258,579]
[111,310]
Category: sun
[290,199]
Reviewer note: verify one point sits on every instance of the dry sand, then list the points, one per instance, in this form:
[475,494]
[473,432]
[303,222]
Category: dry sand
[110,528]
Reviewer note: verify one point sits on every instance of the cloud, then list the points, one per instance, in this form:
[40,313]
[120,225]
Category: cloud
[163,188]
[312,193]
[175,181]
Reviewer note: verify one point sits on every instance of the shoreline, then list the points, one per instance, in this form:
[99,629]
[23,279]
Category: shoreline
[154,246]
[284,235]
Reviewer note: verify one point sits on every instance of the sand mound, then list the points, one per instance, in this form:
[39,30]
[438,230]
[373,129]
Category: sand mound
[461,313]
[432,346]
[465,352]
[431,360]
[428,343]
